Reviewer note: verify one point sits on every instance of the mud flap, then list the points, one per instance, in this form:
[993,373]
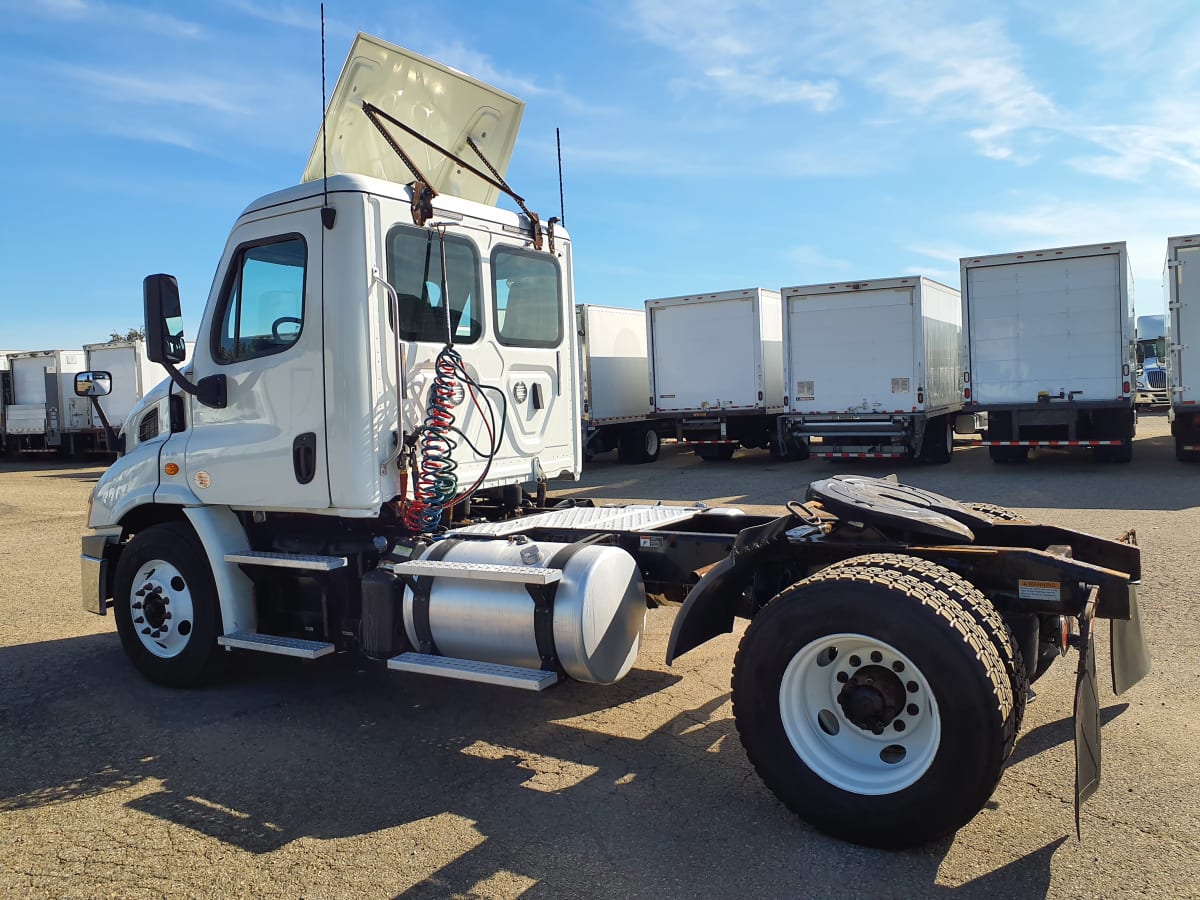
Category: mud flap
[1130,654]
[1087,715]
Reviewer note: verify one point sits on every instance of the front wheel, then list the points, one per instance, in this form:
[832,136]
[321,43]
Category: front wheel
[166,607]
[873,706]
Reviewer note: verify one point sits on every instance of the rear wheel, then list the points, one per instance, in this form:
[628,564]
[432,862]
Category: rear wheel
[937,445]
[976,605]
[638,444]
[1008,454]
[873,706]
[165,604]
[1182,453]
[719,452]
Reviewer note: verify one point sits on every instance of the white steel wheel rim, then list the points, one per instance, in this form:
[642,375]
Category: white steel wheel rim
[836,749]
[160,604]
[650,442]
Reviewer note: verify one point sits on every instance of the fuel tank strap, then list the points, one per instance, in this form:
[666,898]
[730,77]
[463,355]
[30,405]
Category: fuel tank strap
[421,585]
[543,603]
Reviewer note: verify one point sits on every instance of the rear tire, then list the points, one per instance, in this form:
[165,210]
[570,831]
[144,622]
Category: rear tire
[1182,454]
[937,447]
[976,605]
[809,714]
[166,607]
[638,444]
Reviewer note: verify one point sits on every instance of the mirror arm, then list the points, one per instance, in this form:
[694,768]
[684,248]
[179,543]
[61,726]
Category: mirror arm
[211,391]
[109,433]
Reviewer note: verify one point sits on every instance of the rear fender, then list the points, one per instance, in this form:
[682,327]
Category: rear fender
[711,606]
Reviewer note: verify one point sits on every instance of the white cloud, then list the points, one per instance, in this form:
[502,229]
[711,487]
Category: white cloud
[306,18]
[115,14]
[811,257]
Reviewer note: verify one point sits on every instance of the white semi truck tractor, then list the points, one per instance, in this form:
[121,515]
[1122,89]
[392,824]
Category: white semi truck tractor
[355,462]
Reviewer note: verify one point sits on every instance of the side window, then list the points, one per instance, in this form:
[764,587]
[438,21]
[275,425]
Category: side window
[262,311]
[414,269]
[528,298]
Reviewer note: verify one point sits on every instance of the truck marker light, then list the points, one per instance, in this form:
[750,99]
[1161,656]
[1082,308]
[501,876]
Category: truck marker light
[966,393]
[171,468]
[1125,387]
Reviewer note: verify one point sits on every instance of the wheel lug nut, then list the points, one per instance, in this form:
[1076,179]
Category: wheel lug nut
[898,724]
[913,687]
[139,620]
[146,630]
[155,634]
[913,709]
[855,661]
[136,606]
[166,615]
[842,677]
[897,666]
[876,656]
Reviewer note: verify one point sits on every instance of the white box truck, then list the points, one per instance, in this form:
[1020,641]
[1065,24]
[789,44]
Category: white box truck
[44,413]
[716,369]
[1050,350]
[6,392]
[133,374]
[1181,278]
[264,502]
[615,381]
[872,369]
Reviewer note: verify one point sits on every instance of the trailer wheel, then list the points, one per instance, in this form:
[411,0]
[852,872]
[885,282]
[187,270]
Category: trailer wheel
[873,706]
[1003,455]
[937,447]
[165,603]
[977,606]
[719,452]
[1182,454]
[1002,513]
[638,444]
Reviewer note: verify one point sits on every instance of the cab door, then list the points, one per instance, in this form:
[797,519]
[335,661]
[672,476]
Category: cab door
[263,331]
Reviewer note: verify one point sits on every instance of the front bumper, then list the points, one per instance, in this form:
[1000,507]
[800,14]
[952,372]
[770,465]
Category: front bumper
[95,565]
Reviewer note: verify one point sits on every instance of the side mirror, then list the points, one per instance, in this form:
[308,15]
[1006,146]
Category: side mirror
[93,384]
[164,319]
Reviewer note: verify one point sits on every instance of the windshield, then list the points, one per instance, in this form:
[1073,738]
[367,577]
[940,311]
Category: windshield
[1151,348]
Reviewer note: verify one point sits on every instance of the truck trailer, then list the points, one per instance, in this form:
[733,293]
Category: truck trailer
[329,477]
[897,394]
[1181,277]
[615,381]
[716,369]
[1050,350]
[45,414]
[6,392]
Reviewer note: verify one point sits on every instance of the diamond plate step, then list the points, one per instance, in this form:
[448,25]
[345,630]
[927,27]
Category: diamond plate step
[274,643]
[308,561]
[478,571]
[471,670]
[599,518]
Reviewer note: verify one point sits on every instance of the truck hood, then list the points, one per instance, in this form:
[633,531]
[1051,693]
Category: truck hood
[442,104]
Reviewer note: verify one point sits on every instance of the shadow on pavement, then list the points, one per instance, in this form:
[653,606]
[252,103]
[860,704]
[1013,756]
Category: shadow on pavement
[282,750]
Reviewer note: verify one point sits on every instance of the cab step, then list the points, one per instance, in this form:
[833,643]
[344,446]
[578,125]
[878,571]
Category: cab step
[472,670]
[275,643]
[310,562]
[478,571]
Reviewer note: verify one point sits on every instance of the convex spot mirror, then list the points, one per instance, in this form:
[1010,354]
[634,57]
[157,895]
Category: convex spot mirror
[164,319]
[93,384]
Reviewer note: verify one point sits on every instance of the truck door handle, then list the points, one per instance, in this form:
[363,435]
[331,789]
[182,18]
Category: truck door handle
[539,401]
[304,457]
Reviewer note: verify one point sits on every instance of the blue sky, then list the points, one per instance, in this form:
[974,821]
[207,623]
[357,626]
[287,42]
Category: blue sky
[707,144]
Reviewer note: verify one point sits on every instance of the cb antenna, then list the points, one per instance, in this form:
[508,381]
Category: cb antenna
[562,215]
[328,213]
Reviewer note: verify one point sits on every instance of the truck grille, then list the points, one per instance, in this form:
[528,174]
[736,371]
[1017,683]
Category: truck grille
[1156,378]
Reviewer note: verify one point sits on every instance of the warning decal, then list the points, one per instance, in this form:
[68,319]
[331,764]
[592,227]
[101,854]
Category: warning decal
[1040,590]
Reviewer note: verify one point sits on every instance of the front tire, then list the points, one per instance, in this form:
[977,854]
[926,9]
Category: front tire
[873,706]
[166,607]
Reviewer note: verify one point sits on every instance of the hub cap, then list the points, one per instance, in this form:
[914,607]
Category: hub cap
[859,714]
[160,604]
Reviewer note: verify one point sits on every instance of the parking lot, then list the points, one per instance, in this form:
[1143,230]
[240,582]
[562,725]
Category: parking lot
[331,779]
